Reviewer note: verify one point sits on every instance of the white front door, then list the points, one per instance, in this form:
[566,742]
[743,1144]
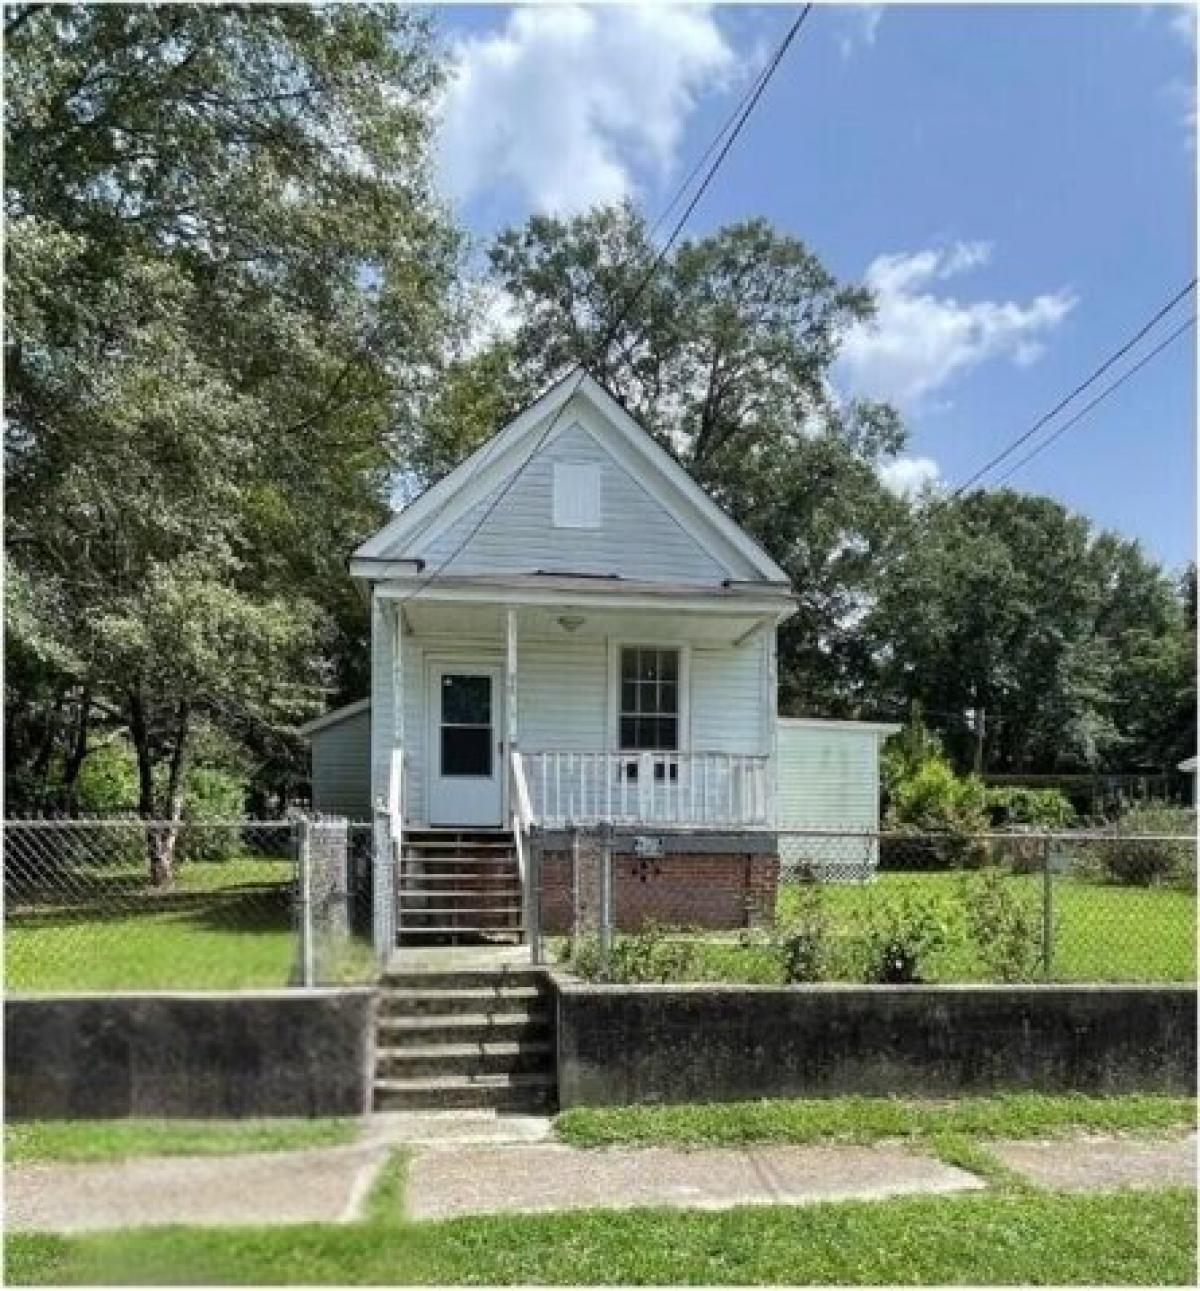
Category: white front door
[466,767]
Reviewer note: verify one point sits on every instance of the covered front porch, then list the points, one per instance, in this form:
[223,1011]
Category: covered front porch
[546,703]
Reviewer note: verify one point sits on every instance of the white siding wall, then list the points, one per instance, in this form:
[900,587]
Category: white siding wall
[727,699]
[637,537]
[828,780]
[563,696]
[341,779]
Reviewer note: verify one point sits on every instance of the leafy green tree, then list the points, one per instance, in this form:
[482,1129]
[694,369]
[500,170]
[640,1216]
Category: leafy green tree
[228,287]
[1010,606]
[725,357]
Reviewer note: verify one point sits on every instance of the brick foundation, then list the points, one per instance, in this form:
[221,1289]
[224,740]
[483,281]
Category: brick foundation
[700,890]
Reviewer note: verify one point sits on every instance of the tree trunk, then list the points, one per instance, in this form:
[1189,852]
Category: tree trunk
[160,845]
[78,750]
[168,838]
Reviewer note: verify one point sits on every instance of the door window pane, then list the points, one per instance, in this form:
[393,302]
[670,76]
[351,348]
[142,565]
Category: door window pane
[466,750]
[649,698]
[466,700]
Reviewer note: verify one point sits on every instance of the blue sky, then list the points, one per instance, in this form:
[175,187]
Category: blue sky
[1017,183]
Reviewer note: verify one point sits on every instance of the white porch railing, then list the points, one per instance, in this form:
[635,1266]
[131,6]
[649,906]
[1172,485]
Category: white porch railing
[686,789]
[522,822]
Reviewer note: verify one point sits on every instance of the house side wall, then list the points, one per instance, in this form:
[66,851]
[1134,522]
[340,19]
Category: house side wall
[828,780]
[637,538]
[341,778]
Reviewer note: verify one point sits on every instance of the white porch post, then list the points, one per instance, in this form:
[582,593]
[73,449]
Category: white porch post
[398,630]
[770,712]
[510,677]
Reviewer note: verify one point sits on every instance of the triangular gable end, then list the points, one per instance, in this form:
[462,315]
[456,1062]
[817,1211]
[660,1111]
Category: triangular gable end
[631,448]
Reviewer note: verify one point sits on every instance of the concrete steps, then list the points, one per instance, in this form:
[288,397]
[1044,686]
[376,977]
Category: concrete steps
[459,886]
[457,1038]
[527,1092]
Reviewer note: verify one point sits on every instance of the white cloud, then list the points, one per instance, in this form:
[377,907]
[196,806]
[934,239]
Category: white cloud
[908,476]
[1183,23]
[563,100]
[862,25]
[921,338]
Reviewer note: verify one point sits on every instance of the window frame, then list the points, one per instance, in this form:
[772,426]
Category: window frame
[683,684]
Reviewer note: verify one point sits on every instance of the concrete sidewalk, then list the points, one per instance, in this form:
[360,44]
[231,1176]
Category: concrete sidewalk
[480,1181]
[487,1164]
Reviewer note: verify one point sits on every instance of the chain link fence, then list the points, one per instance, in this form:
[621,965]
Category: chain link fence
[131,904]
[859,906]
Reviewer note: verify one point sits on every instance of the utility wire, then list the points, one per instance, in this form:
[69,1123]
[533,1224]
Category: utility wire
[741,116]
[1109,389]
[1079,389]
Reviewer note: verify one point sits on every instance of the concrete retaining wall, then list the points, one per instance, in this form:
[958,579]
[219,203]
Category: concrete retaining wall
[177,1054]
[651,1044]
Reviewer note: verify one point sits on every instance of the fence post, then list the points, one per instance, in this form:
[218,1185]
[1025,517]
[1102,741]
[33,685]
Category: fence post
[383,932]
[1047,911]
[605,897]
[304,858]
[574,926]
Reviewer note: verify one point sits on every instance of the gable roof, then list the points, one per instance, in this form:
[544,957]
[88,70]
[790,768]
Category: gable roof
[334,717]
[510,450]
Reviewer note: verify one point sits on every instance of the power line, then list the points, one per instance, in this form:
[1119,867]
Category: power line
[1079,389]
[742,115]
[1116,385]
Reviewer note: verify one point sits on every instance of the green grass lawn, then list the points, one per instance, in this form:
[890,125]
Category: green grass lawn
[1103,933]
[224,924]
[868,1120]
[985,1238]
[119,1140]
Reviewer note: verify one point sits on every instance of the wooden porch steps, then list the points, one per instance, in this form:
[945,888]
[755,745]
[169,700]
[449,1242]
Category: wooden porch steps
[459,886]
[465,1038]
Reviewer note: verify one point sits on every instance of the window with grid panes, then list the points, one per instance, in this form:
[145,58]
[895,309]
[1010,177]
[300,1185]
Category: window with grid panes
[649,714]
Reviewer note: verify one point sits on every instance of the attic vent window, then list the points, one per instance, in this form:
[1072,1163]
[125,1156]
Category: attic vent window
[576,495]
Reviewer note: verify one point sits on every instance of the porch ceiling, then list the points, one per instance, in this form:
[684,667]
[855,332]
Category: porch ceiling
[474,620]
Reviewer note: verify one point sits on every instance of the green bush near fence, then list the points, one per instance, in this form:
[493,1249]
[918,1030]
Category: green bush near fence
[1102,933]
[1153,844]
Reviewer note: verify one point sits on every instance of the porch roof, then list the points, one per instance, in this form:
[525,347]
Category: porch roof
[549,587]
[582,607]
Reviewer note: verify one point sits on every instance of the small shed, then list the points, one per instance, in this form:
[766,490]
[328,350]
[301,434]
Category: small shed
[828,783]
[340,744]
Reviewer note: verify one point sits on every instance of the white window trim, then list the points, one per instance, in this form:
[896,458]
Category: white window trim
[615,646]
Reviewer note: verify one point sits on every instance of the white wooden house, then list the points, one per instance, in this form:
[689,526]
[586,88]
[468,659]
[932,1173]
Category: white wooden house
[567,631]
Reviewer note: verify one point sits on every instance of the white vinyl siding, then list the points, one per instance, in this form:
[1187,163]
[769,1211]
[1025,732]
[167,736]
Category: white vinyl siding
[636,537]
[564,700]
[828,779]
[727,696]
[341,779]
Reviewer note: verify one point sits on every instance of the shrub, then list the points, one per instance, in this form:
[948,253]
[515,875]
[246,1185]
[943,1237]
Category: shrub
[936,819]
[1009,806]
[653,954]
[1006,926]
[1124,853]
[803,942]
[901,934]
[212,795]
[107,783]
